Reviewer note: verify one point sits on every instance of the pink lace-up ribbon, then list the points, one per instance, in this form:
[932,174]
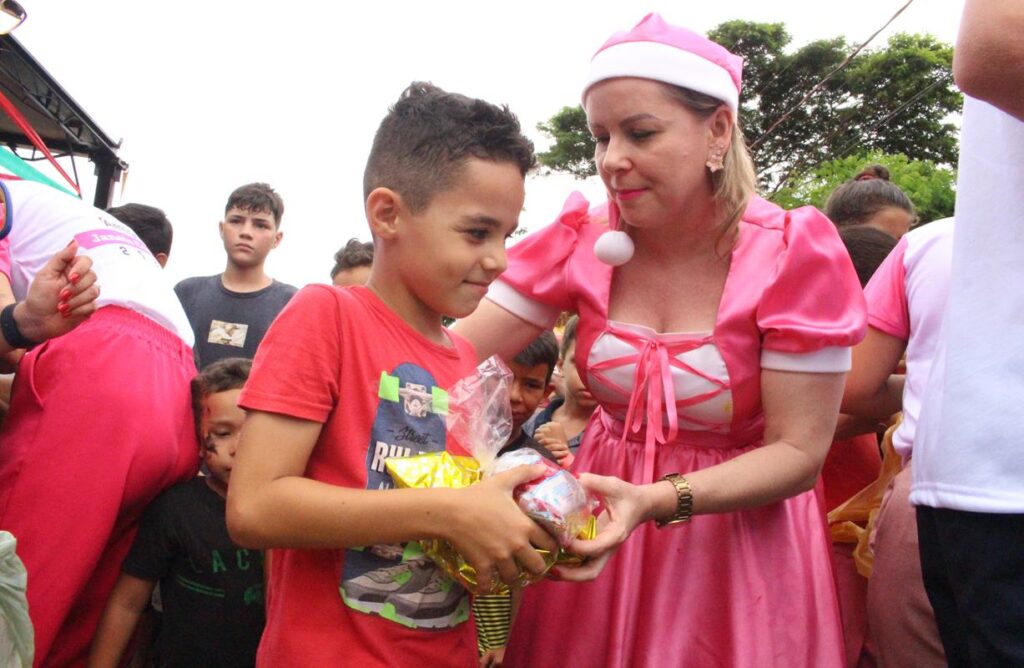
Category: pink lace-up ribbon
[653,390]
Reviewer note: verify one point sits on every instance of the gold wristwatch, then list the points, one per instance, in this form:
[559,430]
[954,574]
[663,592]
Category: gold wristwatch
[684,501]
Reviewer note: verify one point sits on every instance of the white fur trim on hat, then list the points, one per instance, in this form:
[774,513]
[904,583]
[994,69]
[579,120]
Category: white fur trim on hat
[661,62]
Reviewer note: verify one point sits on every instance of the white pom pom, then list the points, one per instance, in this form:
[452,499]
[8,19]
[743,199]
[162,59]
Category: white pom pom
[614,247]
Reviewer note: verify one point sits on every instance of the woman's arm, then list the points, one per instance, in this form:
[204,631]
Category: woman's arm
[494,331]
[800,416]
[872,389]
[270,504]
[988,61]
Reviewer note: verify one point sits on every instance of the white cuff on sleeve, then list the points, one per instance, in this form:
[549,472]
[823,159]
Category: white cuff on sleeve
[508,298]
[832,359]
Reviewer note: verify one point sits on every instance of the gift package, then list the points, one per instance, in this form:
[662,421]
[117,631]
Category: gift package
[480,421]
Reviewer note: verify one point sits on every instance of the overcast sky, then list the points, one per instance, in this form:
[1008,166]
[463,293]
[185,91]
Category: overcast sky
[291,92]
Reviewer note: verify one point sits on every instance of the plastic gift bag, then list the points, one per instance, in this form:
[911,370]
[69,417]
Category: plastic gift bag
[480,420]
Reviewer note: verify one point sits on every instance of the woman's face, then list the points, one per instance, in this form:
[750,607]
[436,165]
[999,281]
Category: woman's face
[651,150]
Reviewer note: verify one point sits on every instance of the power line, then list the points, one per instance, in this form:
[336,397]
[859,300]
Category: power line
[828,76]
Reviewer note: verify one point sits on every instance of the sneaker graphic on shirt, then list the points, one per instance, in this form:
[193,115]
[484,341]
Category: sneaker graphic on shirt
[379,585]
[437,600]
[398,582]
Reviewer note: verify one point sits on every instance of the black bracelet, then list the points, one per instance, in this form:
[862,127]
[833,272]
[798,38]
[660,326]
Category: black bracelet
[9,328]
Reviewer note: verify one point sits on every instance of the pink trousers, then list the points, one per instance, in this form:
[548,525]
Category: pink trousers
[100,423]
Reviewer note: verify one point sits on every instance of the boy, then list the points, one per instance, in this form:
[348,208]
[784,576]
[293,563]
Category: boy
[352,263]
[230,312]
[211,589]
[559,427]
[150,224]
[443,188]
[531,382]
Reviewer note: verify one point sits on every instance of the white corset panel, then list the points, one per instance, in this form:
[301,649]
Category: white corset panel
[612,384]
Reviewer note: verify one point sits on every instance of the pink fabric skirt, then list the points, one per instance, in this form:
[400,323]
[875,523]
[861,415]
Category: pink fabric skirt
[744,589]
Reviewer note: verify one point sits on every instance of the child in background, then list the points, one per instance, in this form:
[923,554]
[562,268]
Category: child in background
[559,427]
[352,263]
[444,187]
[531,371]
[212,589]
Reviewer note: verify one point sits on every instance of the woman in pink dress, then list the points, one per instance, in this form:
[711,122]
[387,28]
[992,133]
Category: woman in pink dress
[717,347]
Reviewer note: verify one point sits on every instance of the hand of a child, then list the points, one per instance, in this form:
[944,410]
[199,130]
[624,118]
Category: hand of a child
[625,506]
[496,538]
[493,658]
[552,436]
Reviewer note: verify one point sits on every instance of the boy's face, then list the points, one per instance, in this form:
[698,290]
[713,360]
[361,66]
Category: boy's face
[575,390]
[221,427]
[447,254]
[249,236]
[529,387]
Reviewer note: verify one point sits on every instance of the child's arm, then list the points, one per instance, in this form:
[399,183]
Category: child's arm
[552,436]
[271,504]
[127,602]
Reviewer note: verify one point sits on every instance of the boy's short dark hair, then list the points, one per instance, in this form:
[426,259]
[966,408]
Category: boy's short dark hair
[257,197]
[868,248]
[149,223]
[220,376]
[427,136]
[353,254]
[568,337]
[542,350]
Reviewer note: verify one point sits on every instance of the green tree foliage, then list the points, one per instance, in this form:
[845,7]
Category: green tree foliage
[573,150]
[929,186]
[896,99]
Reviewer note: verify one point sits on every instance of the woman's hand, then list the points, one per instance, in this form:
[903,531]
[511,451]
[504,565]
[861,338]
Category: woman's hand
[496,538]
[62,295]
[625,507]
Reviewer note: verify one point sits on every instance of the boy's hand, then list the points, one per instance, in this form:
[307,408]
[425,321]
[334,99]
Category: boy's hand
[626,506]
[552,436]
[493,658]
[62,295]
[496,538]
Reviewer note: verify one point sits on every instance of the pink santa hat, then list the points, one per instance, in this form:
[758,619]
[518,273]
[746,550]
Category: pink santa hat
[658,51]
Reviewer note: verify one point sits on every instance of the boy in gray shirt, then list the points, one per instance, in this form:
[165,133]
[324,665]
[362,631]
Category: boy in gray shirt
[230,312]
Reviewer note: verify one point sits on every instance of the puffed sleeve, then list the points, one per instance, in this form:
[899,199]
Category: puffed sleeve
[535,286]
[812,310]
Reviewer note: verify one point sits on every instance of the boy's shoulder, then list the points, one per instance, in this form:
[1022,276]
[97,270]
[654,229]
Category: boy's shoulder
[194,284]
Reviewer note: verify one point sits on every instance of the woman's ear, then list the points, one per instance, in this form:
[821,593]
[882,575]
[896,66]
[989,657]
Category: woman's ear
[383,206]
[720,125]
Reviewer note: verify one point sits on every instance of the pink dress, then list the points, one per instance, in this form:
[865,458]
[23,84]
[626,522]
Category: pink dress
[751,588]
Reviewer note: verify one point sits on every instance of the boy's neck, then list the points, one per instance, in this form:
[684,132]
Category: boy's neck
[245,279]
[571,410]
[216,485]
[412,311]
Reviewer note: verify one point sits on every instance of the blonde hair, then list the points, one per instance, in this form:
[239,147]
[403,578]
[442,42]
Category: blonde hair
[736,182]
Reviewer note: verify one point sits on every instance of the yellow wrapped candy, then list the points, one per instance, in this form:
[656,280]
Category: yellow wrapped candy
[442,469]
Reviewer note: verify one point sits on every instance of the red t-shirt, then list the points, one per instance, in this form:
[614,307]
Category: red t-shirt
[341,357]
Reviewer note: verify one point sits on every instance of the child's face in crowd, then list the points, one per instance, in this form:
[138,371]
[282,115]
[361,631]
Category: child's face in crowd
[575,391]
[448,253]
[354,276]
[529,387]
[222,424]
[249,236]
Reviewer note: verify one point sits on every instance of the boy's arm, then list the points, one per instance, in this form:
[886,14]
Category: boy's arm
[127,602]
[271,504]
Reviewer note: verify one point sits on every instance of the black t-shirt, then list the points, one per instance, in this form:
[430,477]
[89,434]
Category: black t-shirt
[227,323]
[212,590]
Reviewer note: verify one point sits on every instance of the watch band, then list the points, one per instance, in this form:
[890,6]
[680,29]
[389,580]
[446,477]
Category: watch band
[10,331]
[684,501]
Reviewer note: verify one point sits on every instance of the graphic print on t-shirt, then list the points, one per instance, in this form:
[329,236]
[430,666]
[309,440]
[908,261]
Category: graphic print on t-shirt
[398,582]
[228,333]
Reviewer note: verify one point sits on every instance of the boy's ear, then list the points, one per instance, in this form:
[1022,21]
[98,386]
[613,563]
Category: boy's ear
[383,208]
[277,239]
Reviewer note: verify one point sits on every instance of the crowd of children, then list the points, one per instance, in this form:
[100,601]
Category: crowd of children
[712,402]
